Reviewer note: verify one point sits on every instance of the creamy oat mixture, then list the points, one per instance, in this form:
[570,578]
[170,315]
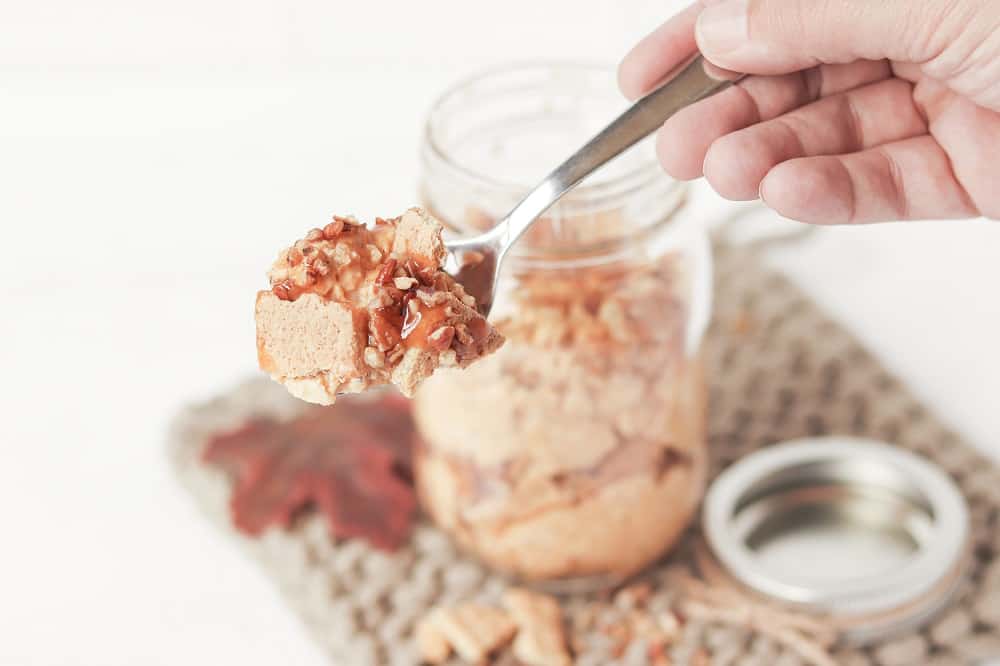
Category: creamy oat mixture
[352,307]
[579,448]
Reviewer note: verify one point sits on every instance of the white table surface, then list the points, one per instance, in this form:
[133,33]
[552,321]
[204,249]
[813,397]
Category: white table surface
[152,158]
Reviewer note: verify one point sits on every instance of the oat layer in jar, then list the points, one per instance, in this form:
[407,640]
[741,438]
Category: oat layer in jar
[578,450]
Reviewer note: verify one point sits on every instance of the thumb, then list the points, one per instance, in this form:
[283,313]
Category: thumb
[780,36]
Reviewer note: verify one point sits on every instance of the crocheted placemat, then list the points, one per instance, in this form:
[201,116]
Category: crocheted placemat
[779,369]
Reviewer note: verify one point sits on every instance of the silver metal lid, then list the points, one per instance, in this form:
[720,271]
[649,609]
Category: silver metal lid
[867,534]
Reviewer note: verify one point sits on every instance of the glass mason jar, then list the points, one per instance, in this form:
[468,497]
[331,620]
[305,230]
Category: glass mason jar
[578,450]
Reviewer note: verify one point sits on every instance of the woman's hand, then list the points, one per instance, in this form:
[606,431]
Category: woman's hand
[858,110]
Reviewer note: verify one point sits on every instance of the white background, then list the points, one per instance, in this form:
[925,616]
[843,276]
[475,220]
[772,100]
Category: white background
[155,154]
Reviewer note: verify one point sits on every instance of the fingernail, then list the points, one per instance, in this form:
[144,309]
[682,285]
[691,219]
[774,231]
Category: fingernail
[760,191]
[723,27]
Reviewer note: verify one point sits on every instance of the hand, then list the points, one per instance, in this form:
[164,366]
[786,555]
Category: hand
[858,110]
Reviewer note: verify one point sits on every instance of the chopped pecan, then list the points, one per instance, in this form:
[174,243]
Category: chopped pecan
[431,298]
[321,266]
[305,279]
[385,275]
[384,298]
[386,335]
[294,256]
[669,625]
[404,283]
[284,290]
[440,339]
[333,229]
[425,275]
[314,235]
[462,332]
[396,354]
[633,596]
[390,297]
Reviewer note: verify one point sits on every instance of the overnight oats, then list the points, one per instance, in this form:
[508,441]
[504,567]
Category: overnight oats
[578,449]
[352,306]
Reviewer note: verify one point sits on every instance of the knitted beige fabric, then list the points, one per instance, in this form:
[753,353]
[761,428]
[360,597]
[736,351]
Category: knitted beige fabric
[779,369]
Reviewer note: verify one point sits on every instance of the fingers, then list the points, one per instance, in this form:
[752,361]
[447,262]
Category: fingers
[855,120]
[862,152]
[657,54]
[685,138]
[970,134]
[903,180]
[779,36]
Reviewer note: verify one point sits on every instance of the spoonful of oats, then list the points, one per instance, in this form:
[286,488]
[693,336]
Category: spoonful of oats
[352,307]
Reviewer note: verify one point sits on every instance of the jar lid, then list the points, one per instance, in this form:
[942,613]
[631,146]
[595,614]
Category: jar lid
[872,537]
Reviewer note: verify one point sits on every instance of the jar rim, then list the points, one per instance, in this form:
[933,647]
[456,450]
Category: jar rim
[633,178]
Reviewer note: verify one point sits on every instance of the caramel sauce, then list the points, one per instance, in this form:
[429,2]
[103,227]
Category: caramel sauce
[417,327]
[414,328]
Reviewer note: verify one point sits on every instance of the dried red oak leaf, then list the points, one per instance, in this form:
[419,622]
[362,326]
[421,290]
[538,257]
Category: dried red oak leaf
[350,461]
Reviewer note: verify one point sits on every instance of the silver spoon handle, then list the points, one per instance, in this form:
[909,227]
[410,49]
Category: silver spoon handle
[693,82]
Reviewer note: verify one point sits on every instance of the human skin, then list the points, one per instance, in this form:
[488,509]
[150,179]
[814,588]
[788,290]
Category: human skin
[856,111]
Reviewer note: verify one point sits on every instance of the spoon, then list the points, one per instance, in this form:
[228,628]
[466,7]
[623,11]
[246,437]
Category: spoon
[475,262]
